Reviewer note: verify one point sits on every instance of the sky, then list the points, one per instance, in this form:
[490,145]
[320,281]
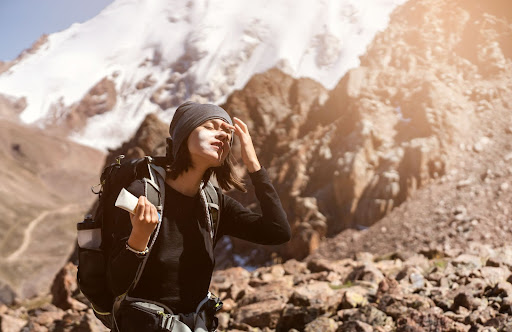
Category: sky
[22,22]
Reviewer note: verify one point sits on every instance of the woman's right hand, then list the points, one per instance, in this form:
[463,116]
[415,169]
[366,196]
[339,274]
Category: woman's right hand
[144,222]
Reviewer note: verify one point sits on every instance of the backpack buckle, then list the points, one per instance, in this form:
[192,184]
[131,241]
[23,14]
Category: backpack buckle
[167,322]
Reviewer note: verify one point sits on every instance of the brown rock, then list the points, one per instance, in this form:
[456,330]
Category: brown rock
[322,324]
[48,318]
[260,314]
[296,317]
[63,288]
[11,324]
[354,297]
[228,305]
[294,267]
[100,99]
[366,272]
[234,281]
[355,326]
[279,290]
[317,294]
[369,314]
[494,275]
[223,318]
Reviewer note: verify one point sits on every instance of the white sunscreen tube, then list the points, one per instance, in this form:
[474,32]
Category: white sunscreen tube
[127,201]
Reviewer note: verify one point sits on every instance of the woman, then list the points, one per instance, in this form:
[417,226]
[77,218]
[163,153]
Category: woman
[178,271]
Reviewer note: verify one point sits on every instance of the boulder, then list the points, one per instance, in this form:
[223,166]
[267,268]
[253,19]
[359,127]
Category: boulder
[64,287]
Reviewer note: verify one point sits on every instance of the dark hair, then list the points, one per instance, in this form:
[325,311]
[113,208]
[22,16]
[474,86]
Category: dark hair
[225,175]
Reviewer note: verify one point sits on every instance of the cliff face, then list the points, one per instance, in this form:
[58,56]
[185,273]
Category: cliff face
[424,98]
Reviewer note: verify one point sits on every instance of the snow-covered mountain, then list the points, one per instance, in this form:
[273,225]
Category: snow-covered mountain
[138,57]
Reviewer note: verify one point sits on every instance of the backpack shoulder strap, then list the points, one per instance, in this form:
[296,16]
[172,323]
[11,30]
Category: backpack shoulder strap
[154,186]
[213,201]
[156,182]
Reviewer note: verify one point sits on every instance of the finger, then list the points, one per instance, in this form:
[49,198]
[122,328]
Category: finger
[238,131]
[241,124]
[141,206]
[227,125]
[154,214]
[147,210]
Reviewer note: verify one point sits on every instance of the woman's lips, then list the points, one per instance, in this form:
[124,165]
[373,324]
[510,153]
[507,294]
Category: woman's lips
[217,145]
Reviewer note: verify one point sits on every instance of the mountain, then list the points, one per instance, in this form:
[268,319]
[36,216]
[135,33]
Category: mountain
[400,122]
[45,192]
[396,183]
[136,58]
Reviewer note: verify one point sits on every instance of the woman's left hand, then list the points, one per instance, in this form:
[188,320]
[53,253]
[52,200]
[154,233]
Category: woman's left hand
[247,148]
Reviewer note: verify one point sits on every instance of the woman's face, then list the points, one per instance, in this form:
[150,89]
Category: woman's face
[209,144]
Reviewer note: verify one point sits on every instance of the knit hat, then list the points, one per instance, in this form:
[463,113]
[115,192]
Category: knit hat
[189,116]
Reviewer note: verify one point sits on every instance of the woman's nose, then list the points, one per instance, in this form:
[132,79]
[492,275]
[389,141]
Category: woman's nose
[222,135]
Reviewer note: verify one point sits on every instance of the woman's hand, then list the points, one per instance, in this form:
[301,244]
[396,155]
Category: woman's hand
[144,222]
[247,148]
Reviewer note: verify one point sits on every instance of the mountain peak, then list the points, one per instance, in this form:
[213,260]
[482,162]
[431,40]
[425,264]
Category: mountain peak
[158,54]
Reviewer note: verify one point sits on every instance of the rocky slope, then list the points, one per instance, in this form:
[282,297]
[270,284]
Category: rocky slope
[45,191]
[467,292]
[464,80]
[423,102]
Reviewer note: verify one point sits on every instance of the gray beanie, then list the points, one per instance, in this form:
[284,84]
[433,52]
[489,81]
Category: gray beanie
[189,116]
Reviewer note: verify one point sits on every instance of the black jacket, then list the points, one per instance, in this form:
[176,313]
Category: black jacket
[180,265]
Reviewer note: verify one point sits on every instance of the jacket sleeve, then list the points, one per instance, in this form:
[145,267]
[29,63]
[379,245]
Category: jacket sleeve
[123,264]
[270,227]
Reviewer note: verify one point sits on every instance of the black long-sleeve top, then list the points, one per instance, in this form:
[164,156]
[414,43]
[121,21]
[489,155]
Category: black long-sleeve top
[180,265]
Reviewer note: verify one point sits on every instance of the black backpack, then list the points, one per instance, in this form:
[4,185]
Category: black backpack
[92,262]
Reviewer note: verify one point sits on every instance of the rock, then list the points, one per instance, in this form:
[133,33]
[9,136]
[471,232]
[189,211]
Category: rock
[465,300]
[296,317]
[467,261]
[7,295]
[49,316]
[91,323]
[228,305]
[366,272]
[429,320]
[64,287]
[260,314]
[294,267]
[317,294]
[321,324]
[494,275]
[355,326]
[481,316]
[11,324]
[234,281]
[279,290]
[364,257]
[368,314]
[354,297]
[501,289]
[223,318]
